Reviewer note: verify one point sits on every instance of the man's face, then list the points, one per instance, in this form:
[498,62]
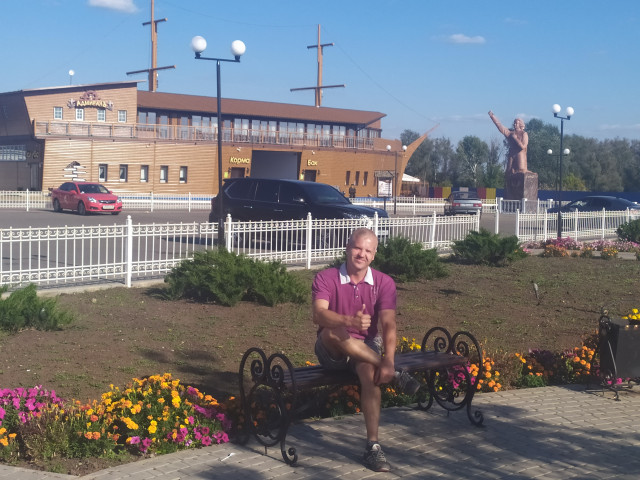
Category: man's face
[361,251]
[518,124]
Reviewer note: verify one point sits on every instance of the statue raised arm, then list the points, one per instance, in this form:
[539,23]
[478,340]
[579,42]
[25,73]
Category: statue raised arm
[518,140]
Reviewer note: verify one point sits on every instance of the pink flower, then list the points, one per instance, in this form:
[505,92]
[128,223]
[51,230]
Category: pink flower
[206,441]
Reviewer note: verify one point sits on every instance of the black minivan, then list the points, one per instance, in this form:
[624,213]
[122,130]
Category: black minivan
[274,199]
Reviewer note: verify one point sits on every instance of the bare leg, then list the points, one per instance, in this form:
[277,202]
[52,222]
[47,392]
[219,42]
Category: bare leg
[339,343]
[370,399]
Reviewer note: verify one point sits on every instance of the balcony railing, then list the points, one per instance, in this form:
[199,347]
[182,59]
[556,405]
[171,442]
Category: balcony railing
[140,131]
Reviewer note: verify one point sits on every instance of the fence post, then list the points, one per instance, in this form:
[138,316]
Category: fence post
[575,225]
[309,240]
[497,229]
[414,205]
[517,223]
[228,239]
[27,199]
[375,223]
[152,201]
[129,264]
[523,205]
[189,201]
[432,240]
[544,228]
[604,221]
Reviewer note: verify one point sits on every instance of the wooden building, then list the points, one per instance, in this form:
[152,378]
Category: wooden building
[137,141]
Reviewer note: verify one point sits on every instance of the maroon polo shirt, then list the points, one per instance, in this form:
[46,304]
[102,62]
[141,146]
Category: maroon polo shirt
[377,291]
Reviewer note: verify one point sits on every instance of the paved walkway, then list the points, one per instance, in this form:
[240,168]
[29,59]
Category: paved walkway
[554,433]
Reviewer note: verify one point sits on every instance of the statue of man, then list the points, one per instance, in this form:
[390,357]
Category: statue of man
[518,141]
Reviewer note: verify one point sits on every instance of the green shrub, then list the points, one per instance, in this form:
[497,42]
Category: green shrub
[271,284]
[406,261]
[485,248]
[226,278]
[23,309]
[629,232]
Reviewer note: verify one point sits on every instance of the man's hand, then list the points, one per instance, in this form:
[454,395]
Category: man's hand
[361,320]
[385,373]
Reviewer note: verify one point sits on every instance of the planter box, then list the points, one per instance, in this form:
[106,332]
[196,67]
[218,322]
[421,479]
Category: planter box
[619,348]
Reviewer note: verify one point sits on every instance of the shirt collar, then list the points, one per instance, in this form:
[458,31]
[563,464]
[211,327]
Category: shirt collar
[344,276]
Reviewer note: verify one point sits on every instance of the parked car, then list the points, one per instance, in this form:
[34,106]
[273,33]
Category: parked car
[85,197]
[463,202]
[274,199]
[256,199]
[595,203]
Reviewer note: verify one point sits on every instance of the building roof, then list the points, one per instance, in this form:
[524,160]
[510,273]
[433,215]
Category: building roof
[253,108]
[125,83]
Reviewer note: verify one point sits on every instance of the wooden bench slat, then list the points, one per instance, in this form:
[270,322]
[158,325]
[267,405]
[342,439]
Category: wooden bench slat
[410,362]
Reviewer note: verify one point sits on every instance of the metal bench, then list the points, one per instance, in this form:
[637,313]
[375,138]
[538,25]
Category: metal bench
[273,393]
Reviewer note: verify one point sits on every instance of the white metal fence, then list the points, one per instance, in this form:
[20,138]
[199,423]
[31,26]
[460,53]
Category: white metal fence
[580,226]
[124,252]
[131,201]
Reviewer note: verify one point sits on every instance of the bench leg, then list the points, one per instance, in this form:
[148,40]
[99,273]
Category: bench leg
[268,402]
[453,388]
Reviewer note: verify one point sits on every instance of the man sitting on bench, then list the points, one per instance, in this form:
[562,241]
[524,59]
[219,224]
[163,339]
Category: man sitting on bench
[354,307]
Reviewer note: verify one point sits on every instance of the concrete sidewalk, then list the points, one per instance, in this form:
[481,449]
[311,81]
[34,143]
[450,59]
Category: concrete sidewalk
[552,433]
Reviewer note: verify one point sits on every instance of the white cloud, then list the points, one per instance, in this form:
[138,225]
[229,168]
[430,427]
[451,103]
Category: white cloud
[461,38]
[120,5]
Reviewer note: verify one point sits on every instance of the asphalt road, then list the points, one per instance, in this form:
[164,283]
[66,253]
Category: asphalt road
[48,218]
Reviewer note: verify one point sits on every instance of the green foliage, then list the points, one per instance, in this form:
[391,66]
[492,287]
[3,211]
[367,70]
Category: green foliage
[629,232]
[23,309]
[485,248]
[226,278]
[406,261]
[271,284]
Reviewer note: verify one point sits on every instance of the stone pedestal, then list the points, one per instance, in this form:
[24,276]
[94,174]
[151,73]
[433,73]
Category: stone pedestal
[521,185]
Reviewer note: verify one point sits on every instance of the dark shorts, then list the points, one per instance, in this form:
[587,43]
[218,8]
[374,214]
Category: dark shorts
[344,363]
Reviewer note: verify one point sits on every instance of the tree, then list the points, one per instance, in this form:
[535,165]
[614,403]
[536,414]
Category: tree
[473,155]
[494,173]
[407,137]
[543,137]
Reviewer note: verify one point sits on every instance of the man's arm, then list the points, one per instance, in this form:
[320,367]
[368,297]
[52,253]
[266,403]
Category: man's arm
[326,318]
[387,323]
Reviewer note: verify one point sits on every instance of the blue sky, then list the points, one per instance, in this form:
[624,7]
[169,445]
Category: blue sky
[421,62]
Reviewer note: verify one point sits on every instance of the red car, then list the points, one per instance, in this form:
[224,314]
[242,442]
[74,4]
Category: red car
[85,197]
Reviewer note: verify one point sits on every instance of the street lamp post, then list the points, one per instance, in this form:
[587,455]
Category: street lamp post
[566,151]
[198,45]
[569,112]
[395,178]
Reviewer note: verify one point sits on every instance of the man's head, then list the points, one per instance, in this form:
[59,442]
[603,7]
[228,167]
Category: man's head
[361,249]
[518,124]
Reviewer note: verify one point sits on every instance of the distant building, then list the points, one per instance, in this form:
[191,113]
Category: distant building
[136,141]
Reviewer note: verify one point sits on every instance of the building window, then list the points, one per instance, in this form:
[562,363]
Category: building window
[357,182]
[57,113]
[144,173]
[13,153]
[183,174]
[124,173]
[102,172]
[347,178]
[366,177]
[80,114]
[164,174]
[122,116]
[102,115]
